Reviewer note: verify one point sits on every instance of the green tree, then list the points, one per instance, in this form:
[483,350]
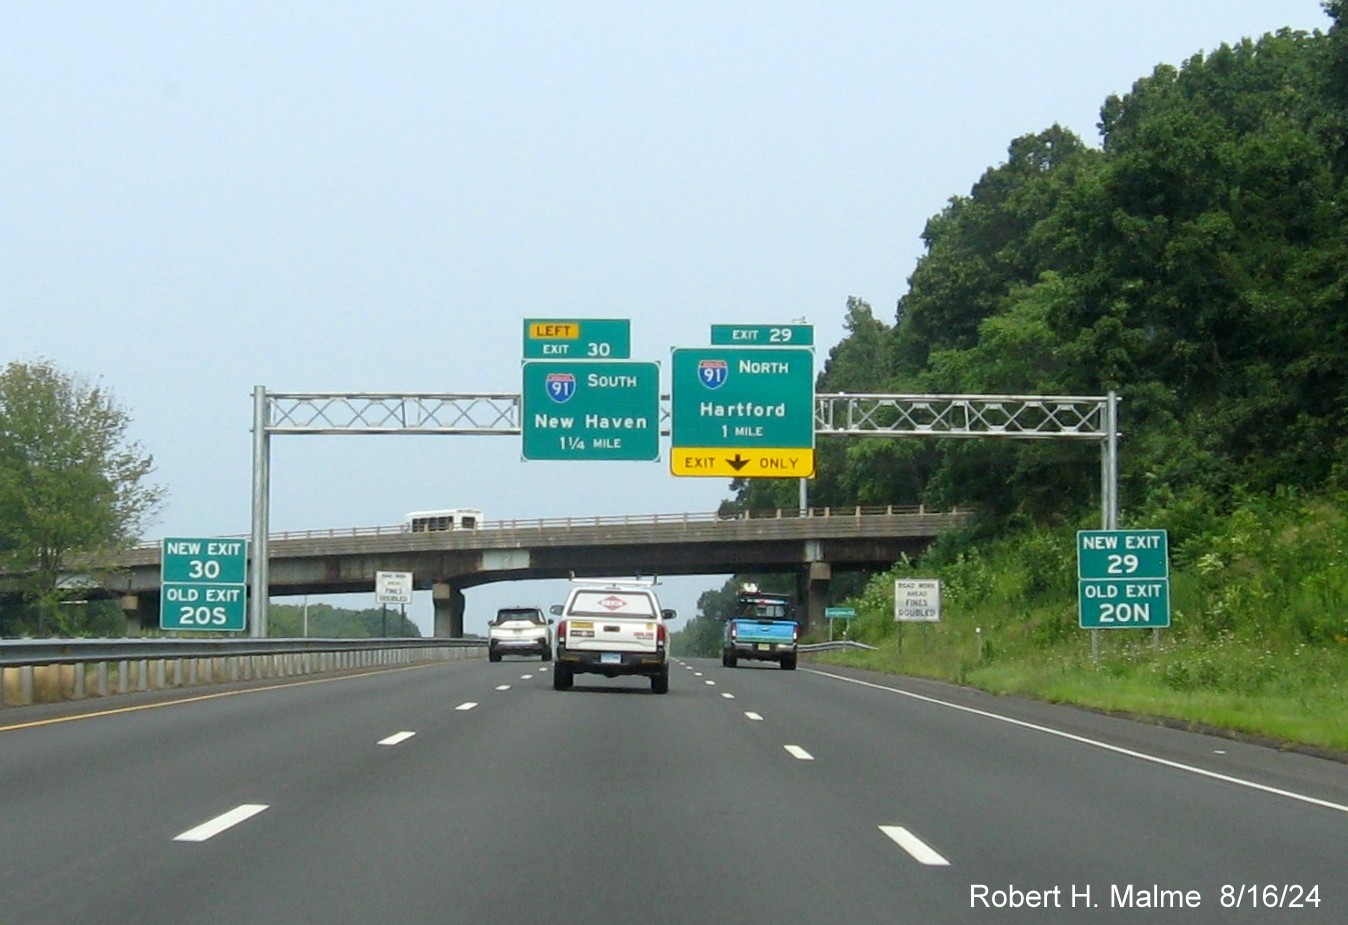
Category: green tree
[72,487]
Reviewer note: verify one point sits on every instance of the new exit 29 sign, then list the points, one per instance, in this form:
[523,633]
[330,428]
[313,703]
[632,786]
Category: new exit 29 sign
[1123,579]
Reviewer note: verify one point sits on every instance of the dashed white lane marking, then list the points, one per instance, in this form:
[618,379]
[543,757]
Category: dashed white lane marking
[727,696]
[710,683]
[525,677]
[503,687]
[753,716]
[466,706]
[226,821]
[396,738]
[542,671]
[798,752]
[697,674]
[920,850]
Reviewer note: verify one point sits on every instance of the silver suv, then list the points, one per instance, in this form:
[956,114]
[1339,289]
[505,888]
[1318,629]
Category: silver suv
[519,631]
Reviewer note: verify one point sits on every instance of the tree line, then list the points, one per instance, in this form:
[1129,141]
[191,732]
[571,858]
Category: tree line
[1196,263]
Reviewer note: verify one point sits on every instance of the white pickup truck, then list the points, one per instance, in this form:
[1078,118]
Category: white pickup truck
[613,629]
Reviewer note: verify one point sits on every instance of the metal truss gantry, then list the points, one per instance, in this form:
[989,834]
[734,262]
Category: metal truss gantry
[1018,417]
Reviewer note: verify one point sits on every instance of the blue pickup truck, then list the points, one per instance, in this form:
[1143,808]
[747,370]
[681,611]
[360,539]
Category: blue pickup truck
[763,628]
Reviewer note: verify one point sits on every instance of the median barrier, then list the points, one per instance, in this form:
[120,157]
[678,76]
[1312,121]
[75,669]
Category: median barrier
[54,670]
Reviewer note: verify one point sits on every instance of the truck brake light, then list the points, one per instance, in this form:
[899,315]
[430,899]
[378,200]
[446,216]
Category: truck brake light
[561,633]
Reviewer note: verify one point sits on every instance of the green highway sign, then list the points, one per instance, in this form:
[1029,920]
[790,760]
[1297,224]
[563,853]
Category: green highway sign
[591,410]
[1124,604]
[577,338]
[203,584]
[762,335]
[1123,579]
[1122,554]
[742,412]
[839,613]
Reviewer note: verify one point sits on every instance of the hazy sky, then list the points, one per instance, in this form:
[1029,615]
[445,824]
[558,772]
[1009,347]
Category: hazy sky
[198,198]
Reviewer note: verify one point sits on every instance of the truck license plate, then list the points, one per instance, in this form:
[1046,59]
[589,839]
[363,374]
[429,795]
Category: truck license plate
[763,647]
[610,658]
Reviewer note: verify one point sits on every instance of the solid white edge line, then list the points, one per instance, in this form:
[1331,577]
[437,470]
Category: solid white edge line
[1117,749]
[224,821]
[466,706]
[798,752]
[396,739]
[920,850]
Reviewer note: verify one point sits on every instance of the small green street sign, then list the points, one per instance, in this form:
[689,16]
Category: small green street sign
[839,613]
[203,584]
[1123,579]
[762,335]
[592,410]
[577,338]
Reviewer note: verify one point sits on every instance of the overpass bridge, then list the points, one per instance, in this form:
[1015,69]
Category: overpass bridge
[812,544]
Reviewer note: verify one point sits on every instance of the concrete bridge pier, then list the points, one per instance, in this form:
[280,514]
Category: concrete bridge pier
[812,585]
[135,621]
[449,606]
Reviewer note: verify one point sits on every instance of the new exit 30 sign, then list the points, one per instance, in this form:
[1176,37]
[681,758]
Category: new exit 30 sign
[203,584]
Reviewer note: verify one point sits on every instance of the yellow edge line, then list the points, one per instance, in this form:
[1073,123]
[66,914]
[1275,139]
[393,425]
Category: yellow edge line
[216,696]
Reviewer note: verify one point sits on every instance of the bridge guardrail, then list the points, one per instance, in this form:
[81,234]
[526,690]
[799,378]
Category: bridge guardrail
[49,670]
[567,523]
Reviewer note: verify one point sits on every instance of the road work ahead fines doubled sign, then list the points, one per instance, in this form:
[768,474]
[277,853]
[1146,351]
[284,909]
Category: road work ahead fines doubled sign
[742,412]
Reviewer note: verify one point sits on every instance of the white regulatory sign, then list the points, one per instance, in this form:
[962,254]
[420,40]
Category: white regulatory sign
[393,587]
[917,600]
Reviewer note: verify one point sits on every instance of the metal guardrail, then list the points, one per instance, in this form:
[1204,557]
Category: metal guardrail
[18,652]
[835,646]
[52,670]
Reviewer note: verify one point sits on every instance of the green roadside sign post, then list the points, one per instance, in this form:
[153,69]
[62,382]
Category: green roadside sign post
[203,584]
[1123,579]
[590,410]
[838,613]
